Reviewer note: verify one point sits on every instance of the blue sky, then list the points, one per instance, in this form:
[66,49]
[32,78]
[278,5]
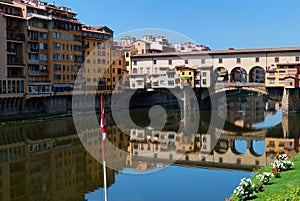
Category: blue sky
[219,24]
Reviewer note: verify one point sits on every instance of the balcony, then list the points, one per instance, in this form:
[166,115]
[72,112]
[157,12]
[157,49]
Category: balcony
[15,60]
[13,28]
[33,61]
[35,50]
[15,36]
[11,51]
[33,72]
[33,38]
[39,81]
[42,17]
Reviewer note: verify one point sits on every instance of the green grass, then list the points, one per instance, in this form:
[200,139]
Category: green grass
[279,188]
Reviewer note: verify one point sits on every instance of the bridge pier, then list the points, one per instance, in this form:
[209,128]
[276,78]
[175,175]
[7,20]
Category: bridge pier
[291,100]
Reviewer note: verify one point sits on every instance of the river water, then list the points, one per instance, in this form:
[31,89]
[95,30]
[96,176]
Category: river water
[59,160]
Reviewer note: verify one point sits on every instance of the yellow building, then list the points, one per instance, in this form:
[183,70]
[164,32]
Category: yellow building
[275,146]
[142,47]
[186,74]
[283,75]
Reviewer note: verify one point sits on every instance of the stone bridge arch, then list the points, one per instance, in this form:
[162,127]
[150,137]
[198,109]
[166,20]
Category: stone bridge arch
[238,74]
[257,74]
[221,75]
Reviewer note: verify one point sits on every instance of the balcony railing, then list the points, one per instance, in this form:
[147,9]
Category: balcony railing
[15,76]
[11,51]
[33,72]
[39,81]
[33,49]
[15,60]
[33,61]
[15,36]
[34,38]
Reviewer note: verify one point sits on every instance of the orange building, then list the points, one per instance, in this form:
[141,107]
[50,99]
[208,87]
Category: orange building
[66,48]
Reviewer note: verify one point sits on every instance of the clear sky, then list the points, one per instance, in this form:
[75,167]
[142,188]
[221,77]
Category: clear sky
[220,24]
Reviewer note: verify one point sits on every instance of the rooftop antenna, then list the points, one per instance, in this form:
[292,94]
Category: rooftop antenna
[53,3]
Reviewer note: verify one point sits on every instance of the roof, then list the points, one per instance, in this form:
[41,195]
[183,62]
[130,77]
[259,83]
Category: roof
[141,41]
[288,64]
[94,30]
[66,20]
[216,52]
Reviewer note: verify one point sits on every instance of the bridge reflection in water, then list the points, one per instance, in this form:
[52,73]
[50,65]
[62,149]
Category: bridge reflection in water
[48,161]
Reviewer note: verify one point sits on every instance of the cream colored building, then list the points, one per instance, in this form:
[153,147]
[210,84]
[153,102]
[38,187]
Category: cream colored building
[246,65]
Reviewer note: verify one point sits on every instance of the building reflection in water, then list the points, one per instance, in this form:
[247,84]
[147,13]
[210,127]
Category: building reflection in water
[48,161]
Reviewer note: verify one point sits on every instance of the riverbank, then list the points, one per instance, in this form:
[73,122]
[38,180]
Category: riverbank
[26,118]
[287,187]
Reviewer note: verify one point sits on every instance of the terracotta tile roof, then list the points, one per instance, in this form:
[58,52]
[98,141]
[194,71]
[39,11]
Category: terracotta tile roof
[216,52]
[66,20]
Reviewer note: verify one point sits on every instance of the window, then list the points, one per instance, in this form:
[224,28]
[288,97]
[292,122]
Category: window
[57,77]
[186,61]
[220,60]
[135,63]
[71,37]
[127,63]
[281,81]
[204,74]
[204,81]
[257,59]
[190,73]
[56,46]
[141,70]
[154,61]
[202,61]
[43,35]
[238,60]
[276,59]
[44,57]
[56,57]
[57,67]
[56,35]
[170,62]
[271,81]
[120,62]
[103,46]
[183,73]
[297,59]
[271,74]
[43,46]
[281,72]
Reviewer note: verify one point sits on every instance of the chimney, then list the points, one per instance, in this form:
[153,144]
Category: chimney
[231,48]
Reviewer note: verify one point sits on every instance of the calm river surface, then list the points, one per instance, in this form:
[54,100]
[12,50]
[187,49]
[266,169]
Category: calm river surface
[56,160]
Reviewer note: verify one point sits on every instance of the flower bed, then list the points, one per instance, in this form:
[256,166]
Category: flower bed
[279,181]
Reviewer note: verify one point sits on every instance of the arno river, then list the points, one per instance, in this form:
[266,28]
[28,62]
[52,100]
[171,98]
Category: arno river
[47,160]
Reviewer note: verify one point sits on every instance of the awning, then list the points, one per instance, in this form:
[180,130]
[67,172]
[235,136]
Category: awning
[62,85]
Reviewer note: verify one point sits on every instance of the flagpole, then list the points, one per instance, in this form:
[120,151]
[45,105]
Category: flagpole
[103,129]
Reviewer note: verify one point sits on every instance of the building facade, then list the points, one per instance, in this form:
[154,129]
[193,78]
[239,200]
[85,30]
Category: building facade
[247,65]
[13,58]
